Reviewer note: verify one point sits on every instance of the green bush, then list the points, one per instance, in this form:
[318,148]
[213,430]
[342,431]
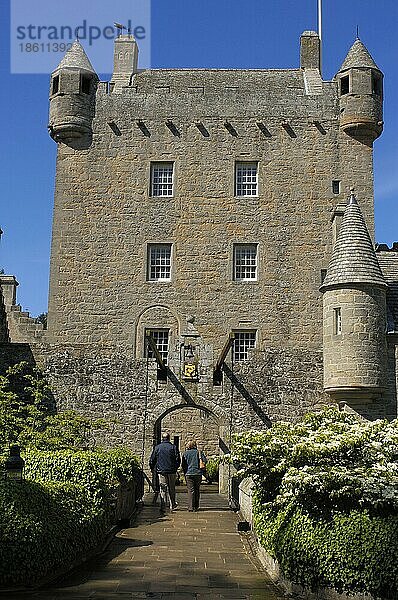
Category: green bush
[212,468]
[60,512]
[46,526]
[326,499]
[94,470]
[351,552]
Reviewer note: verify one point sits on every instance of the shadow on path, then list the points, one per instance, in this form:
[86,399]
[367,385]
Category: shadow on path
[176,556]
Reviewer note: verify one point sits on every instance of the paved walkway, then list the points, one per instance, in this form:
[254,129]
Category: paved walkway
[178,556]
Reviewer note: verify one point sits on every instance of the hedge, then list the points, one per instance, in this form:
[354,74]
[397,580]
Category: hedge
[46,526]
[59,513]
[326,499]
[95,470]
[354,551]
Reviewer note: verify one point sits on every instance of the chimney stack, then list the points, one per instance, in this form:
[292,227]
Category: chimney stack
[310,50]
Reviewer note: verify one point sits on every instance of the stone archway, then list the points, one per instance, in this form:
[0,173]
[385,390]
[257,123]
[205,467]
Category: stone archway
[185,423]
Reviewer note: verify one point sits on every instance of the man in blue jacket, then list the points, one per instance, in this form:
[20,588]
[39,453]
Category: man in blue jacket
[165,458]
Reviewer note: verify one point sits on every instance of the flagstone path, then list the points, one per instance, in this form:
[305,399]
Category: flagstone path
[176,556]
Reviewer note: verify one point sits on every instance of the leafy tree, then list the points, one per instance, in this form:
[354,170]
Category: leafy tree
[42,318]
[27,414]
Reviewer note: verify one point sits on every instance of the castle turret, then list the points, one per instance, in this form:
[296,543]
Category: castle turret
[72,96]
[360,87]
[354,314]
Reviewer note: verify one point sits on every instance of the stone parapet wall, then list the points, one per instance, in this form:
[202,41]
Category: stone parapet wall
[108,382]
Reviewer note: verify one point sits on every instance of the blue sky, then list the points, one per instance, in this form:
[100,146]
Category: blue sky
[209,33]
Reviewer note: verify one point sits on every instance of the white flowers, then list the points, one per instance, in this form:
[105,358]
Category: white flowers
[329,457]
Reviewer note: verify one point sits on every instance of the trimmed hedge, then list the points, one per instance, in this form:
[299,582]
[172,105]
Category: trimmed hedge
[351,552]
[46,526]
[60,512]
[95,470]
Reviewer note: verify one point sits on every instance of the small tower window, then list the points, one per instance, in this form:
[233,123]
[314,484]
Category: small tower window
[55,87]
[85,84]
[344,85]
[245,262]
[162,179]
[161,339]
[337,321]
[323,275]
[376,84]
[159,262]
[336,186]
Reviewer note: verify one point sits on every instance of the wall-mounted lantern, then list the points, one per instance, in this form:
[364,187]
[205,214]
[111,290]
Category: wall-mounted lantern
[14,465]
[190,368]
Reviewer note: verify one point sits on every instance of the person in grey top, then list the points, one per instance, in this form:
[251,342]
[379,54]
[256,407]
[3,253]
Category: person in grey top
[193,474]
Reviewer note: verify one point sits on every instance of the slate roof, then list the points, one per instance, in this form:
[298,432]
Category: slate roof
[388,261]
[354,258]
[358,56]
[76,58]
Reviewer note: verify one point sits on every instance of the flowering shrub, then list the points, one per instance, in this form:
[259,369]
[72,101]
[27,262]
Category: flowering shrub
[329,460]
[326,499]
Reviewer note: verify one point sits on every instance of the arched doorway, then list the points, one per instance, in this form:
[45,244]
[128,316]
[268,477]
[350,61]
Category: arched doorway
[187,423]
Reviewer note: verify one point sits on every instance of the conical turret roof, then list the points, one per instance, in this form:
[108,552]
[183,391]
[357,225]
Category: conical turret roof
[354,258]
[358,56]
[76,58]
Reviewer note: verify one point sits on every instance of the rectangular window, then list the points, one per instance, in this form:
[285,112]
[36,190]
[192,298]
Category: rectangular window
[162,179]
[337,321]
[323,275]
[336,186]
[246,181]
[85,84]
[55,87]
[376,84]
[159,262]
[244,340]
[161,337]
[245,262]
[344,85]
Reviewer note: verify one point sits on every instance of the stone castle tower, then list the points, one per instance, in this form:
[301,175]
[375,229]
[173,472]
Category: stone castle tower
[195,216]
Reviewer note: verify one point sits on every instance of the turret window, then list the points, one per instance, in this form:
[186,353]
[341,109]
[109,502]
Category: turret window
[344,85]
[376,84]
[85,84]
[337,321]
[336,186]
[55,86]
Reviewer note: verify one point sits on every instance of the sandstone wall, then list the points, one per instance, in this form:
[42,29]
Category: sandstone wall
[108,382]
[104,216]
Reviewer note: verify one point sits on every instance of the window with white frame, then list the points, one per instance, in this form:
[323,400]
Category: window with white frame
[245,262]
[162,179]
[246,179]
[161,339]
[159,262]
[244,340]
